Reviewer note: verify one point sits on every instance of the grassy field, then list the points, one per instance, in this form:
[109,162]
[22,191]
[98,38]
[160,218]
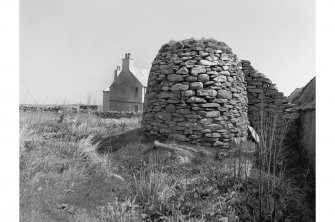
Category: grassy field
[78,167]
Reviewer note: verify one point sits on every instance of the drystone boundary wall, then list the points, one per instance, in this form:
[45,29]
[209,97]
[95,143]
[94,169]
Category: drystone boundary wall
[264,99]
[196,93]
[67,109]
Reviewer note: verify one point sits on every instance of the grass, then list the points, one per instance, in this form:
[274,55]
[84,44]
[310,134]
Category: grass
[80,167]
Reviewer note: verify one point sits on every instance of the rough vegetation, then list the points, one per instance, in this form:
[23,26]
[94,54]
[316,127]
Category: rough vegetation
[80,167]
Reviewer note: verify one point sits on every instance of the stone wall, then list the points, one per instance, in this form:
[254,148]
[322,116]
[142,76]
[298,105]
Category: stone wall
[78,109]
[197,93]
[264,99]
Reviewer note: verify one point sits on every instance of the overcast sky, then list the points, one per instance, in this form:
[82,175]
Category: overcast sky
[69,48]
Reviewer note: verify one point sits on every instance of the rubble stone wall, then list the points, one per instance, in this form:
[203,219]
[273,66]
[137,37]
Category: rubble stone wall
[264,99]
[197,93]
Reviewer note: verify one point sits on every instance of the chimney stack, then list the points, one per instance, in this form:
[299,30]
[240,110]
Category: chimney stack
[127,62]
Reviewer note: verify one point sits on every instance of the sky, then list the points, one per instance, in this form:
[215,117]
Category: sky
[69,48]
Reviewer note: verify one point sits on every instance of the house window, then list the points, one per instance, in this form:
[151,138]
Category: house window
[136,91]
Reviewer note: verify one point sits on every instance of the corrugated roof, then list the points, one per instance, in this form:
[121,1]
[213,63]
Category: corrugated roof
[141,75]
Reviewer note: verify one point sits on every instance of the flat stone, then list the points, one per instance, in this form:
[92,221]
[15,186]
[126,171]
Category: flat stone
[224,94]
[183,111]
[188,93]
[220,100]
[191,78]
[179,86]
[163,116]
[209,105]
[213,114]
[175,78]
[163,95]
[206,92]
[178,119]
[233,101]
[194,116]
[203,77]
[220,78]
[207,63]
[196,85]
[173,100]
[167,71]
[198,69]
[203,54]
[255,90]
[170,108]
[194,99]
[206,120]
[157,109]
[213,126]
[215,135]
[186,58]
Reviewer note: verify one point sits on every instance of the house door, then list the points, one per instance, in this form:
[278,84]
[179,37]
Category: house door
[136,108]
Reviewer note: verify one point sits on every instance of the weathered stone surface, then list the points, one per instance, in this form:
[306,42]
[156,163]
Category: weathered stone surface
[191,78]
[198,69]
[194,99]
[163,116]
[196,85]
[213,114]
[220,78]
[182,70]
[208,105]
[207,63]
[190,63]
[203,54]
[220,100]
[179,86]
[163,95]
[171,108]
[213,127]
[184,111]
[175,78]
[206,92]
[203,77]
[224,94]
[213,135]
[188,93]
[199,93]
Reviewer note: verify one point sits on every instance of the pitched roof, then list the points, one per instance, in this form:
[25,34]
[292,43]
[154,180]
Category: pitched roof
[141,75]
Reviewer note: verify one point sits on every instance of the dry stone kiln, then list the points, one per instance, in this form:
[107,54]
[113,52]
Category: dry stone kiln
[197,93]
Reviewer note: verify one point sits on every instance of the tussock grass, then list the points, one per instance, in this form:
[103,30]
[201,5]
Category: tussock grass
[63,177]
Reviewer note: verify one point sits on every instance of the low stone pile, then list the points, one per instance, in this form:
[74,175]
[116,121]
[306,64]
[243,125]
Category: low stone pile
[77,109]
[264,97]
[32,108]
[196,93]
[117,114]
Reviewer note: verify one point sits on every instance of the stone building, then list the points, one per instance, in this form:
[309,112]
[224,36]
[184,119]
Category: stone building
[200,92]
[127,91]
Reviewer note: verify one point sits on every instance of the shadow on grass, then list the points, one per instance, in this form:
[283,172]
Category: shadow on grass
[115,142]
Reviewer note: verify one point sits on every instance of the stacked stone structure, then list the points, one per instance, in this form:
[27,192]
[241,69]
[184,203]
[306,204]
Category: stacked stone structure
[197,93]
[265,99]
